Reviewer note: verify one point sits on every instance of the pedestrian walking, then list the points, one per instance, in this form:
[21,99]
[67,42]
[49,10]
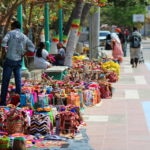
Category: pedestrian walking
[123,41]
[117,52]
[135,47]
[17,44]
[41,59]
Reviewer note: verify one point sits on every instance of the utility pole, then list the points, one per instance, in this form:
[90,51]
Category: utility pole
[94,25]
[19,18]
[46,26]
[60,14]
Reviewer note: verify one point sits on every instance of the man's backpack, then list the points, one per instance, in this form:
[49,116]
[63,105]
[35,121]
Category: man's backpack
[135,41]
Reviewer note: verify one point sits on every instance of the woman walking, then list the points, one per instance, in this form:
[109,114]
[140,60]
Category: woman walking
[117,51]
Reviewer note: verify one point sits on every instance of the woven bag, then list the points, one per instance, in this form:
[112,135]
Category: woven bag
[14,122]
[40,123]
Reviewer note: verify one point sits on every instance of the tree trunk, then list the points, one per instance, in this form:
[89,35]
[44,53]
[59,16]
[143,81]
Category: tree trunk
[30,14]
[67,26]
[10,9]
[84,15]
[85,12]
[71,45]
[7,22]
[94,33]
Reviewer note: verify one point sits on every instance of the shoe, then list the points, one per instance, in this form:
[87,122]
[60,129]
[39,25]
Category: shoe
[135,65]
[132,66]
[2,104]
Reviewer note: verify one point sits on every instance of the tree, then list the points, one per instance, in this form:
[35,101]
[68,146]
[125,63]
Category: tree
[70,48]
[32,9]
[121,12]
[126,3]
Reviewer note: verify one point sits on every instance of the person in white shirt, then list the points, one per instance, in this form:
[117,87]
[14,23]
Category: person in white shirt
[41,60]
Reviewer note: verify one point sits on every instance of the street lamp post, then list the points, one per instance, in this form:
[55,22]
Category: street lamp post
[94,33]
[19,18]
[60,14]
[46,26]
[19,15]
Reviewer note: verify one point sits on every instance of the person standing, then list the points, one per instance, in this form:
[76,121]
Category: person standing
[117,52]
[135,47]
[17,44]
[126,33]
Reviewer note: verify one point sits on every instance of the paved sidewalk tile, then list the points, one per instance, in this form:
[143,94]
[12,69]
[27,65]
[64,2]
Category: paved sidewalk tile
[123,122]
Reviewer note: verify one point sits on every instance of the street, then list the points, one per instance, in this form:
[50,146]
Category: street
[123,122]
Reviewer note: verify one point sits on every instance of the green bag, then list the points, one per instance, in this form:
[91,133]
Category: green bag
[4,143]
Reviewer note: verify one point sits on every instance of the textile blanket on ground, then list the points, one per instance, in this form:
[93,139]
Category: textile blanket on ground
[81,140]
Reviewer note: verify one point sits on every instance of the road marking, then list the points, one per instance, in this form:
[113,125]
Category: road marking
[146,108]
[139,80]
[131,94]
[95,118]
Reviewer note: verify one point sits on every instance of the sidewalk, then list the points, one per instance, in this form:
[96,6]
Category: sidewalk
[146,40]
[123,122]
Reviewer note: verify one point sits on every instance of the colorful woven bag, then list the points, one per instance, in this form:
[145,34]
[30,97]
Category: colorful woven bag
[40,123]
[4,143]
[14,122]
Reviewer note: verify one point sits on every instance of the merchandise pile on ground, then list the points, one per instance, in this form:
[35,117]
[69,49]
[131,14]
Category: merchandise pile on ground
[48,112]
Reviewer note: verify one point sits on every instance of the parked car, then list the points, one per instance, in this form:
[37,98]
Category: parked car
[102,37]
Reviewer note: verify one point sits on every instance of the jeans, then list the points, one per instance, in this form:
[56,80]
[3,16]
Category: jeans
[10,66]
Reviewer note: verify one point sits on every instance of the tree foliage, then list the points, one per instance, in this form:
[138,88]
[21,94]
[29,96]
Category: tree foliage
[33,9]
[126,3]
[121,12]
